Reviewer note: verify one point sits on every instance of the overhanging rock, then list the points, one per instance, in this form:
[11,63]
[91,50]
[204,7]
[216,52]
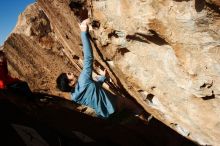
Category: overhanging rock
[163,53]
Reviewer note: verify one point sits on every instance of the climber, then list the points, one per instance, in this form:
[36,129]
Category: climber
[7,82]
[88,92]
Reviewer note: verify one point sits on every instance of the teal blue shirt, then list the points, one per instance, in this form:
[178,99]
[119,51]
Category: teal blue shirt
[89,92]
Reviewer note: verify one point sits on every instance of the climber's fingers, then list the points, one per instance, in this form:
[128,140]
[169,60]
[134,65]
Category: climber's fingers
[84,24]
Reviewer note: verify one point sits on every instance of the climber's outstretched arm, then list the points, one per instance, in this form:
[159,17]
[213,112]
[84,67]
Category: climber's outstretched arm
[86,73]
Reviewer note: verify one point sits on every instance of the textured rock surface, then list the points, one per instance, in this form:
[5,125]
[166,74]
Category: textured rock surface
[164,53]
[170,57]
[34,51]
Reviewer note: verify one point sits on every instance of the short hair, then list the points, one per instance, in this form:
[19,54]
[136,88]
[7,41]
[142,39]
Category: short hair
[63,83]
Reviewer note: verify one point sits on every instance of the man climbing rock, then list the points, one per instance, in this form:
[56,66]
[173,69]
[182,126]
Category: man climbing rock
[88,92]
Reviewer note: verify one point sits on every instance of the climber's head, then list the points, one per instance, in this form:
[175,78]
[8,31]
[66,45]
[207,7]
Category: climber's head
[66,82]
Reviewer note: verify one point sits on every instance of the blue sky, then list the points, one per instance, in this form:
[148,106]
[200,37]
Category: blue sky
[9,12]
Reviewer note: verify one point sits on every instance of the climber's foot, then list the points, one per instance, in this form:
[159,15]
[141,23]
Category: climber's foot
[144,117]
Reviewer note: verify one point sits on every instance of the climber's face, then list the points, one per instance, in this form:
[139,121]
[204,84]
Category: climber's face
[72,78]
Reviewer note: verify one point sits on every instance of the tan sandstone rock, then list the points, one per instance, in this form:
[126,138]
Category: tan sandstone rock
[163,53]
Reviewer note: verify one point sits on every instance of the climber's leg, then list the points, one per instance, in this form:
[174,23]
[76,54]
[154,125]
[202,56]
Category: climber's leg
[124,103]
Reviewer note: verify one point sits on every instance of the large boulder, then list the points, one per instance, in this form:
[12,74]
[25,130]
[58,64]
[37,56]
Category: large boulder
[162,53]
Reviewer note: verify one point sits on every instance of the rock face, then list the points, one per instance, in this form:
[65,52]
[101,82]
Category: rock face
[34,51]
[163,53]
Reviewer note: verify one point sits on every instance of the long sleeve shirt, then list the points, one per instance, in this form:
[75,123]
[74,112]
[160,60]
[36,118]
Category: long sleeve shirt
[89,92]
